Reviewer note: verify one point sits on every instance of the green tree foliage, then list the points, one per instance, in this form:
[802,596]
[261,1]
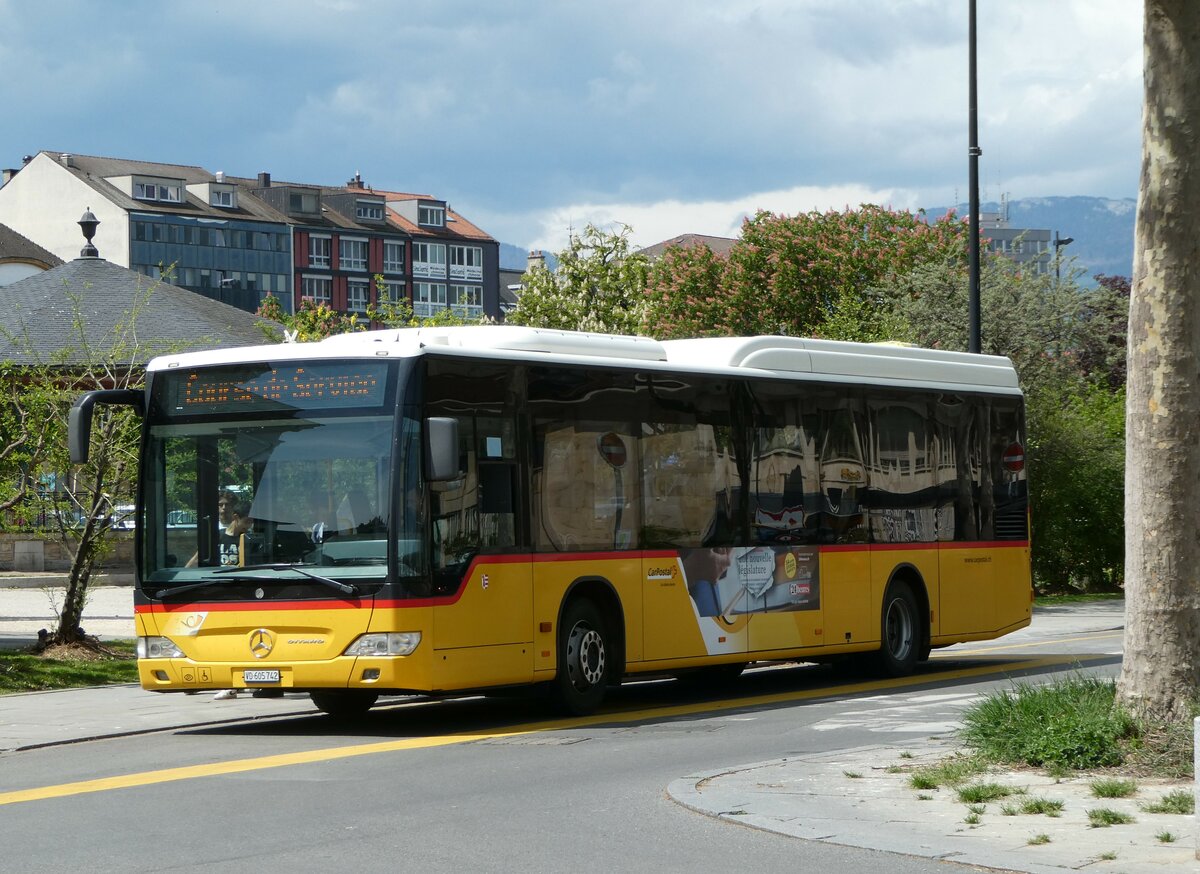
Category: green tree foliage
[688,294]
[791,274]
[39,481]
[315,320]
[1077,485]
[599,286]
[312,320]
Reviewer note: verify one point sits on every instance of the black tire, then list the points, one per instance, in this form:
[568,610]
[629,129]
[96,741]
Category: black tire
[583,658]
[344,703]
[901,631]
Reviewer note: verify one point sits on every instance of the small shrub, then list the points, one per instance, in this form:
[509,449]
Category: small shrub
[1179,801]
[1165,838]
[979,793]
[977,808]
[893,769]
[1103,817]
[971,819]
[1113,787]
[853,775]
[949,772]
[1108,857]
[1075,723]
[1038,839]
[1045,806]
[923,796]
[906,755]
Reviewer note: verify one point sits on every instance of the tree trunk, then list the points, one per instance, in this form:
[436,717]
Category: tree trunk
[1161,669]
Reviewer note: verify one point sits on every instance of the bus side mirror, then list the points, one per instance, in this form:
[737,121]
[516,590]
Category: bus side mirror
[79,417]
[441,449]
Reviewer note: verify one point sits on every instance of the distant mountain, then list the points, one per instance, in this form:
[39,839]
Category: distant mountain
[1101,229]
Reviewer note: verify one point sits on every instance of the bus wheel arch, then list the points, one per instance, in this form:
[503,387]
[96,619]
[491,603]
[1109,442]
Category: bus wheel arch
[904,623]
[591,651]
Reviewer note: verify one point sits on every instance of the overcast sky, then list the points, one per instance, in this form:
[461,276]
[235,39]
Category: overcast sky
[671,116]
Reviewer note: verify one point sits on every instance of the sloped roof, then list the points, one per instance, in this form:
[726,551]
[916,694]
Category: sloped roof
[719,246]
[95,171]
[17,247]
[456,225]
[40,315]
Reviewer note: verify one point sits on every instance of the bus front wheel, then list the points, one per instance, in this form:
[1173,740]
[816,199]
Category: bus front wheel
[344,703]
[583,658]
[901,632]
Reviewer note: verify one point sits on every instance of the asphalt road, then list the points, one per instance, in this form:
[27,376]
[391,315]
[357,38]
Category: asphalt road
[475,785]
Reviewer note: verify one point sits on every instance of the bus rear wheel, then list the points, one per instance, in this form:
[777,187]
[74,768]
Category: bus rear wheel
[344,703]
[583,658]
[901,631]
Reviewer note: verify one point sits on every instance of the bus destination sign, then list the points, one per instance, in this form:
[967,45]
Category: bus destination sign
[313,385]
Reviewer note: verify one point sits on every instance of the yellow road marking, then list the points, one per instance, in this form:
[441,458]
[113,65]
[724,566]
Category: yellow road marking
[260,763]
[1108,635]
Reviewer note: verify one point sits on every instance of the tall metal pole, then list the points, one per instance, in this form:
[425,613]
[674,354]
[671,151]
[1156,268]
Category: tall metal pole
[974,343]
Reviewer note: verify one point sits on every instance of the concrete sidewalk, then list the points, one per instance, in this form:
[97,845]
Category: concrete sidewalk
[856,797]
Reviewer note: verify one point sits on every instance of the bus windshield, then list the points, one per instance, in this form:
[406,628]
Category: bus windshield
[283,471]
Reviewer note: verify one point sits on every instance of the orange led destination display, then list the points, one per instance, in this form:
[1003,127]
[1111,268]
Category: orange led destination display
[322,385]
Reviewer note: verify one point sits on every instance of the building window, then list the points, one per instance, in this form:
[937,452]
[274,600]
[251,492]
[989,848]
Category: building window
[318,251]
[356,296]
[221,197]
[467,300]
[466,262]
[432,216]
[352,254]
[393,257]
[303,201]
[429,298]
[371,211]
[429,259]
[318,288]
[155,191]
[392,292]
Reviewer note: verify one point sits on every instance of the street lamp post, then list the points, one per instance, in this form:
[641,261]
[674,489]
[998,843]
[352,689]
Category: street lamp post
[974,340]
[1059,242]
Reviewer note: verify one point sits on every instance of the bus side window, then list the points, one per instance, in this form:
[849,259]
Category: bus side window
[478,510]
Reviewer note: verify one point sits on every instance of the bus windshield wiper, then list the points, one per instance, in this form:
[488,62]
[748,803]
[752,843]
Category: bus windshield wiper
[179,590]
[336,585]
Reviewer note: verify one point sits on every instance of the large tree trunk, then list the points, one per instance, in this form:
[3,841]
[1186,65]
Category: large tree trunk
[1161,669]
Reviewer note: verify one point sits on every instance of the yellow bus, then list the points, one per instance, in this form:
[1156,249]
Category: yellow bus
[445,510]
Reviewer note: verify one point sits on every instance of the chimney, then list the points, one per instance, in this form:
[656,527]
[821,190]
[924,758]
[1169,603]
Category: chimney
[7,174]
[220,174]
[67,160]
[537,258]
[264,180]
[356,182]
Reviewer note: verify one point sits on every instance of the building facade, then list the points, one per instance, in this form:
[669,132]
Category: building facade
[238,239]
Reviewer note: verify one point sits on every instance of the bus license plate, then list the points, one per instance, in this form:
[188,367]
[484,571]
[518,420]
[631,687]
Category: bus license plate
[260,676]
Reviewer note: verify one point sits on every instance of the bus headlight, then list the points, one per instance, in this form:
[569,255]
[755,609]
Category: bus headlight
[157,648]
[392,643]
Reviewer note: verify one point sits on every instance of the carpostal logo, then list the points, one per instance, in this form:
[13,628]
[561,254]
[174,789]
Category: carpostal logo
[665,572]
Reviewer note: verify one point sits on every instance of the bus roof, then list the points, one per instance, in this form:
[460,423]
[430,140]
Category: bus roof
[831,360]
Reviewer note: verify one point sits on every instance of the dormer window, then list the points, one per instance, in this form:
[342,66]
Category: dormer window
[304,201]
[431,216]
[369,210]
[222,197]
[157,191]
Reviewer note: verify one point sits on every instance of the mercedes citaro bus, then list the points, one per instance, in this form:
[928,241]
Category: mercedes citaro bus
[442,510]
